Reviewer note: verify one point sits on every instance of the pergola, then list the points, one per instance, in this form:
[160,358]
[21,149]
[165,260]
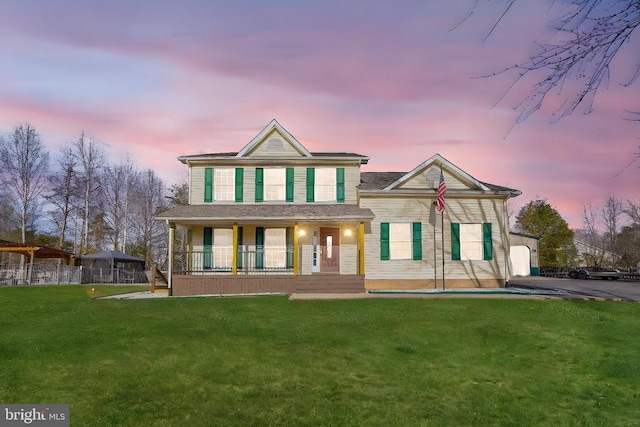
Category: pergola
[35,251]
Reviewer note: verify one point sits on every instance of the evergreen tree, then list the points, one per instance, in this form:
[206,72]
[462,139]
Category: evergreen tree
[539,218]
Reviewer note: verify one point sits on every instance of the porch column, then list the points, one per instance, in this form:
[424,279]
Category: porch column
[361,247]
[190,249]
[234,265]
[172,237]
[296,249]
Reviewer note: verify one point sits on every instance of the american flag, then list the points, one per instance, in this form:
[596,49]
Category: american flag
[442,188]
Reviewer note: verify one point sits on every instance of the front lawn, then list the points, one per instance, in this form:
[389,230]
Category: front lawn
[271,361]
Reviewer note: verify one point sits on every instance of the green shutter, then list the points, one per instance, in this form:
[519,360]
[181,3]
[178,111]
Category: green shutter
[208,185]
[289,234]
[455,241]
[240,249]
[417,240]
[259,247]
[384,240]
[487,244]
[311,177]
[290,179]
[340,185]
[259,184]
[239,184]
[207,246]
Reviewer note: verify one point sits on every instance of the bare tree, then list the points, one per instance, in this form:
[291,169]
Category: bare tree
[590,35]
[150,199]
[117,182]
[633,212]
[612,211]
[593,250]
[90,159]
[24,161]
[63,191]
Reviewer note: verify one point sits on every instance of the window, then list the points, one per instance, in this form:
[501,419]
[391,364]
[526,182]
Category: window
[217,248]
[274,184]
[325,185]
[222,247]
[224,184]
[400,241]
[472,242]
[275,247]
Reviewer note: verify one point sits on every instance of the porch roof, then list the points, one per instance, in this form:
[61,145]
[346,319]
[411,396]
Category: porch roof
[266,212]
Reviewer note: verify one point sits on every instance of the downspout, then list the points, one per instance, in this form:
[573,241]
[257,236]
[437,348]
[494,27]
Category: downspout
[361,244]
[507,244]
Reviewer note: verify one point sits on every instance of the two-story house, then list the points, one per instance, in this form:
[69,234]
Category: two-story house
[275,217]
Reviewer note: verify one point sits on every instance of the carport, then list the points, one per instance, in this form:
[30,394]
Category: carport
[31,252]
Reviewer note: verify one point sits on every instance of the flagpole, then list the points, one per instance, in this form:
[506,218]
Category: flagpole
[442,189]
[442,230]
[435,252]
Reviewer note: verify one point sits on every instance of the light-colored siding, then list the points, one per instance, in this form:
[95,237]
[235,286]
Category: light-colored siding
[418,210]
[306,257]
[196,186]
[274,145]
[351,177]
[197,239]
[351,181]
[348,259]
[249,185]
[421,182]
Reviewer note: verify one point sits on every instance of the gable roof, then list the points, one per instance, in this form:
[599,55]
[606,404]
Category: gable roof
[268,129]
[443,163]
[390,181]
[265,135]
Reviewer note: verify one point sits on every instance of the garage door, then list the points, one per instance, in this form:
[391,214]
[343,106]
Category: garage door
[520,261]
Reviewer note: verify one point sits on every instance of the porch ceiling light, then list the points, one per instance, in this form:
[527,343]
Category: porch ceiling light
[347,232]
[302,233]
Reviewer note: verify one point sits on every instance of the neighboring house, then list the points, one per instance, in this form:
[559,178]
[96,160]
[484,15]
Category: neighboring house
[593,256]
[275,217]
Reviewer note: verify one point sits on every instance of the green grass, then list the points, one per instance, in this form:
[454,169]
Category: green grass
[271,361]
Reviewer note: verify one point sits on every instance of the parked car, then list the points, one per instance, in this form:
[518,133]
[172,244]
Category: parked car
[594,272]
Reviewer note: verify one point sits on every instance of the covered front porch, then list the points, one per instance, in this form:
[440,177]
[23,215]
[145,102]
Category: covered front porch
[317,253]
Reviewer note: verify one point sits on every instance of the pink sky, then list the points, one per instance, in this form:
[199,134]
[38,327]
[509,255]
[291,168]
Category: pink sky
[159,79]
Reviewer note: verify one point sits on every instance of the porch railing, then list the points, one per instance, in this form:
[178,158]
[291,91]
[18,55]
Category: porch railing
[249,260]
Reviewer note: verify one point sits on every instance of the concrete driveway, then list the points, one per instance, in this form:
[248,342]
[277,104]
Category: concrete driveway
[590,288]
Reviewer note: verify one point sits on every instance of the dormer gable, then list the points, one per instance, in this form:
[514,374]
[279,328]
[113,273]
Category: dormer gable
[426,176]
[274,141]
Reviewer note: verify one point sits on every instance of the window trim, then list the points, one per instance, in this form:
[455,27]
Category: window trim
[487,242]
[415,241]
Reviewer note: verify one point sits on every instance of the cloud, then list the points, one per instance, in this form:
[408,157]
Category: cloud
[392,81]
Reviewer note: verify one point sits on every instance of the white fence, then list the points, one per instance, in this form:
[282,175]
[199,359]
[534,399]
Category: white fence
[52,274]
[40,274]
